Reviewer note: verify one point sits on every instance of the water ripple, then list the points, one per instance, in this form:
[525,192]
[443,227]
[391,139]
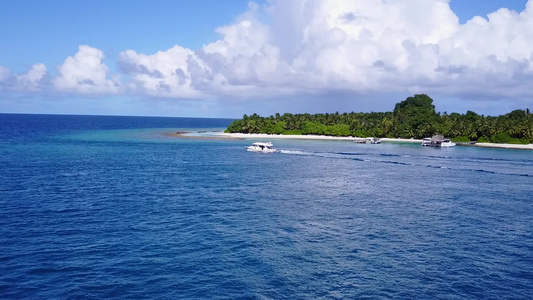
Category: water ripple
[193,219]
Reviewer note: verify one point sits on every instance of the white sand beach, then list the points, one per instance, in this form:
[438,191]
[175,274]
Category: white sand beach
[310,137]
[292,137]
[506,146]
[335,138]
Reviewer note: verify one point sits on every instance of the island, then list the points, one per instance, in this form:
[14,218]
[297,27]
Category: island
[411,120]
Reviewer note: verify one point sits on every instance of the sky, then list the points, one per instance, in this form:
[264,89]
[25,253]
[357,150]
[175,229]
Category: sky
[208,58]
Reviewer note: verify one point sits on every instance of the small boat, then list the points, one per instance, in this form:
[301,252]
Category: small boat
[437,141]
[447,143]
[372,140]
[368,140]
[426,142]
[262,147]
[471,143]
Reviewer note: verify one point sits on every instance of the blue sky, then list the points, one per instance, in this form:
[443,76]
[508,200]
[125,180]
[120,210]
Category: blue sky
[48,32]
[227,58]
[467,9]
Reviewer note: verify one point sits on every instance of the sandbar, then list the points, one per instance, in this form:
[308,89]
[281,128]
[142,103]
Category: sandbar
[506,146]
[187,135]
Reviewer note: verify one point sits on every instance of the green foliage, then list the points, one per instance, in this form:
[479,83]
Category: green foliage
[339,130]
[461,139]
[292,132]
[360,133]
[519,141]
[235,126]
[314,128]
[415,117]
[277,128]
[501,137]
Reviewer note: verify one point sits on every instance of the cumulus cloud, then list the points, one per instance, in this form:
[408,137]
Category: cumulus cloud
[239,64]
[320,47]
[30,81]
[363,46]
[86,73]
[407,45]
[4,73]
[166,73]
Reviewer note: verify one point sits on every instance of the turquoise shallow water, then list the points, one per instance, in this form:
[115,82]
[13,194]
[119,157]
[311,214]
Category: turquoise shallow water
[111,207]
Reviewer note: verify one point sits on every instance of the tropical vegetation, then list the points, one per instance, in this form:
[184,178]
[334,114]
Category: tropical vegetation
[415,117]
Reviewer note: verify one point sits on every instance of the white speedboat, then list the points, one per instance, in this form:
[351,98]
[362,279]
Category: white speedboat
[426,142]
[447,143]
[372,140]
[368,140]
[262,147]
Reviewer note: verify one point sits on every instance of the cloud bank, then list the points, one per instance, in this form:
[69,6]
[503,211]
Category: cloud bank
[85,73]
[303,47]
[31,81]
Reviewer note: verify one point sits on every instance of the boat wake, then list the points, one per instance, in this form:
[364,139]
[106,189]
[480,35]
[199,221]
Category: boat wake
[322,154]
[296,152]
[381,158]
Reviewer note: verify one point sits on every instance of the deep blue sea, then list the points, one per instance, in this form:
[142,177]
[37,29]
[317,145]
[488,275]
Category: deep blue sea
[101,207]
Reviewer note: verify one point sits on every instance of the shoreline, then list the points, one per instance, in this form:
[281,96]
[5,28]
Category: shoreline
[387,140]
[187,135]
[309,137]
[504,146]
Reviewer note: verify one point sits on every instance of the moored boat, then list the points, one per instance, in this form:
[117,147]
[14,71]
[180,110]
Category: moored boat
[426,142]
[368,140]
[437,141]
[447,143]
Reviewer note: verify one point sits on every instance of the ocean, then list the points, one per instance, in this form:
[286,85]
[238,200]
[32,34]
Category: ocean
[103,207]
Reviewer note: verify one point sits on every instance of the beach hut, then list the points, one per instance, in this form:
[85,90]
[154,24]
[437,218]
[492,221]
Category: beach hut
[437,139]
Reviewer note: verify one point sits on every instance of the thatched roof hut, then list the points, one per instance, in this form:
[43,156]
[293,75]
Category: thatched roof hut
[438,138]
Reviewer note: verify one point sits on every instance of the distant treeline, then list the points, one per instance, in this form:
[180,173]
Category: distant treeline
[415,117]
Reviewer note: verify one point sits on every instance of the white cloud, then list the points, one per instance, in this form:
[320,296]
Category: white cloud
[238,64]
[303,47]
[165,73]
[361,46]
[85,73]
[245,60]
[32,79]
[396,46]
[4,73]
